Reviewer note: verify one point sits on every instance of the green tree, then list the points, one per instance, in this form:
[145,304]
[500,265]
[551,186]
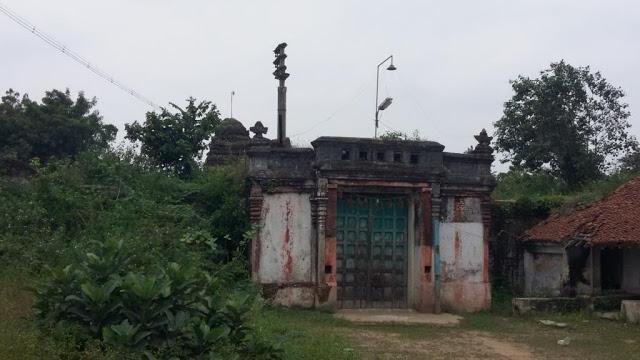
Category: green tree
[58,127]
[631,162]
[175,140]
[570,121]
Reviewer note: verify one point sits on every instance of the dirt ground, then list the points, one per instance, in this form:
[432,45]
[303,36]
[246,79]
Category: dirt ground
[453,343]
[396,316]
[465,345]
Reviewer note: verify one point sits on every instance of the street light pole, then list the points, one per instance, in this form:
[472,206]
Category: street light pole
[390,68]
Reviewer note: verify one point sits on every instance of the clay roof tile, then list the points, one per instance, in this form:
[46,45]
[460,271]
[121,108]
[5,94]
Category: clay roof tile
[612,220]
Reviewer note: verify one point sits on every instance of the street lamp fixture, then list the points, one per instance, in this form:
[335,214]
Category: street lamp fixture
[385,104]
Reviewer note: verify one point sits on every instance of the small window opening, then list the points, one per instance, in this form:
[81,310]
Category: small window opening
[363,155]
[427,269]
[397,157]
[380,156]
[328,269]
[345,154]
[413,159]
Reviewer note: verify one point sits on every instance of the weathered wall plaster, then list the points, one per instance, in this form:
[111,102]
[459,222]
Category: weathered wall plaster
[546,271]
[293,204]
[285,259]
[463,260]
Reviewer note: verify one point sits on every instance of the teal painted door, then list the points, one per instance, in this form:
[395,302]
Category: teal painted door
[371,251]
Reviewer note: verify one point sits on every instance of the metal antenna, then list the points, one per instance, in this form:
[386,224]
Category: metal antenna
[232,93]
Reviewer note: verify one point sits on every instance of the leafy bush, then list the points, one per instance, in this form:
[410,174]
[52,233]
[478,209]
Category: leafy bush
[44,220]
[599,189]
[524,209]
[185,293]
[400,135]
[516,184]
[175,310]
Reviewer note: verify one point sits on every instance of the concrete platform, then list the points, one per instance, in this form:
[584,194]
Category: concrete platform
[609,302]
[630,310]
[396,316]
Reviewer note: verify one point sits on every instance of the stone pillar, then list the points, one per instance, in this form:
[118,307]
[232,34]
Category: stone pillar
[255,213]
[436,200]
[427,295]
[320,215]
[329,283]
[485,205]
[282,114]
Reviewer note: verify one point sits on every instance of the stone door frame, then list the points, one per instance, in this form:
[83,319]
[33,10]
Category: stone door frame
[420,287]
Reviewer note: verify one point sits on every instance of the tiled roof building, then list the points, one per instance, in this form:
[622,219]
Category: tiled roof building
[614,220]
[593,249]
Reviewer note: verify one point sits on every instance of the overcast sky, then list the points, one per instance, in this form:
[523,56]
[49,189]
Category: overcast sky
[454,58]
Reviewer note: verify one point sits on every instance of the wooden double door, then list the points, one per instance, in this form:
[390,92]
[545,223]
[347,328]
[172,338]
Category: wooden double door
[372,251]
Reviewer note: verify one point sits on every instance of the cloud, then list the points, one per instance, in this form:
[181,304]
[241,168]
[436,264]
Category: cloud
[454,58]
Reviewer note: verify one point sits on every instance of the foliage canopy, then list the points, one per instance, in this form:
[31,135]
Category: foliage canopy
[570,121]
[58,127]
[631,162]
[175,140]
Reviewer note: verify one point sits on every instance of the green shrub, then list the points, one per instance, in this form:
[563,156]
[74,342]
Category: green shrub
[515,184]
[185,293]
[170,310]
[46,220]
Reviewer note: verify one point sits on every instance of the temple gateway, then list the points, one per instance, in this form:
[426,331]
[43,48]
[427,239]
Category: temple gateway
[366,223]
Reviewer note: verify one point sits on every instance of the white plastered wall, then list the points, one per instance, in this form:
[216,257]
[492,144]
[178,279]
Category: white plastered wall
[285,239]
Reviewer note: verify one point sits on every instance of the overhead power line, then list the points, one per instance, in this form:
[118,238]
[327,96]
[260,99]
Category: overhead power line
[73,55]
[357,94]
